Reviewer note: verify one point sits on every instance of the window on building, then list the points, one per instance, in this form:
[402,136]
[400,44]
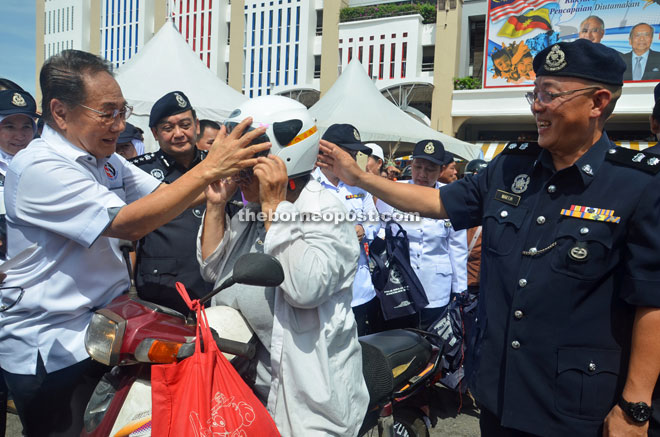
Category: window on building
[477,33]
[350,54]
[428,56]
[371,61]
[381,60]
[360,54]
[286,65]
[317,66]
[404,55]
[392,60]
[319,22]
[297,23]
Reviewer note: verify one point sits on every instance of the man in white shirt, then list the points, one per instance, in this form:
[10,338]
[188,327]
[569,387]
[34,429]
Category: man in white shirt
[366,306]
[73,198]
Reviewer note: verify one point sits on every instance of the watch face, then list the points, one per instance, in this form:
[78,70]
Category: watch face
[640,412]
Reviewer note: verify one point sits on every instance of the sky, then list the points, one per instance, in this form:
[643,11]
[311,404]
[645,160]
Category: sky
[17,42]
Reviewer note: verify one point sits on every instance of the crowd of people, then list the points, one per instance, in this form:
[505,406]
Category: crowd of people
[557,238]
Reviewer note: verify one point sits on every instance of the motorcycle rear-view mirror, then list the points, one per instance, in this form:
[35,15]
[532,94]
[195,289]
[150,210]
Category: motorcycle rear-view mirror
[258,269]
[252,269]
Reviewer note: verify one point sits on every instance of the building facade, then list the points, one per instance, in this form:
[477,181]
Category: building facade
[299,47]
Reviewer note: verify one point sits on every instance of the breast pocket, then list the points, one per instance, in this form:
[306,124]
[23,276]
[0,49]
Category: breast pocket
[586,383]
[503,223]
[583,248]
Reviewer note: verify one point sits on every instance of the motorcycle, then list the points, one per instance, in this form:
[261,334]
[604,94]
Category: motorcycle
[131,335]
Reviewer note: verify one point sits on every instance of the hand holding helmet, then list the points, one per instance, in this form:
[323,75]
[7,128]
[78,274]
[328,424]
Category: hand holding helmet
[234,151]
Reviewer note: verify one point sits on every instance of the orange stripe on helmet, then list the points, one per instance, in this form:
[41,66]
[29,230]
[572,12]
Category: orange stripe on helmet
[308,133]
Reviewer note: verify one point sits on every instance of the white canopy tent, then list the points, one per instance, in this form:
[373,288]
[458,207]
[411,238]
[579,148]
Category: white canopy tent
[355,99]
[167,63]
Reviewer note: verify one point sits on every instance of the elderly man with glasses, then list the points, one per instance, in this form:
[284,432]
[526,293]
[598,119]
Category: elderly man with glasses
[642,63]
[567,332]
[69,199]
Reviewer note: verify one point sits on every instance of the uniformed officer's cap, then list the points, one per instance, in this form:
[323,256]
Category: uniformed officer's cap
[431,150]
[17,102]
[170,104]
[346,136]
[582,59]
[129,133]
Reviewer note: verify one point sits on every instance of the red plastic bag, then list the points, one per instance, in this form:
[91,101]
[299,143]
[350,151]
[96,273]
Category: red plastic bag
[203,396]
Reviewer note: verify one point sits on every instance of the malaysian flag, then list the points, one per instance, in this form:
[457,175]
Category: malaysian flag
[503,8]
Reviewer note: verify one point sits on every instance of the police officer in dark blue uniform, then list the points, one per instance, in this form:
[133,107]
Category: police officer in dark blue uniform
[570,285]
[168,254]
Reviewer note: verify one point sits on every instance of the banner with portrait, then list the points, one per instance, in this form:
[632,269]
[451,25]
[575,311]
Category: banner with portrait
[519,29]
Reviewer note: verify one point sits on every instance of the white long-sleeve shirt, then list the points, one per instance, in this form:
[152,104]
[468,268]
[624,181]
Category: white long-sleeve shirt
[317,387]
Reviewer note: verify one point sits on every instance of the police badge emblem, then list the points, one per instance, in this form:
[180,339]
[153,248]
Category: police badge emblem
[556,59]
[180,100]
[158,174]
[520,183]
[356,134]
[429,149]
[18,100]
[638,157]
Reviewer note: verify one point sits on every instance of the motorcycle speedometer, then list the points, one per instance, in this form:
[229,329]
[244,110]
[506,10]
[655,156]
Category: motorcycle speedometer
[104,336]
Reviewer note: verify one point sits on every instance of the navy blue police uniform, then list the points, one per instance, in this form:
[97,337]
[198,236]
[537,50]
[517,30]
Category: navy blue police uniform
[567,257]
[168,254]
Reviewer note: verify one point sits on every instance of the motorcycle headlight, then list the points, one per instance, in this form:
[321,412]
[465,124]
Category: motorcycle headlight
[104,337]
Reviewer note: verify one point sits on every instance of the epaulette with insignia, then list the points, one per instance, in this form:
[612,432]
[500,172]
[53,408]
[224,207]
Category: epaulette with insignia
[647,162]
[522,148]
[142,159]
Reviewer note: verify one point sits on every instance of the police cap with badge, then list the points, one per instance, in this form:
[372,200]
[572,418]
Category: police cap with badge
[14,102]
[582,59]
[431,150]
[170,104]
[347,137]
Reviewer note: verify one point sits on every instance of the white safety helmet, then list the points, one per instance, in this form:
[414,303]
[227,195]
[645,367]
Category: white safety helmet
[290,129]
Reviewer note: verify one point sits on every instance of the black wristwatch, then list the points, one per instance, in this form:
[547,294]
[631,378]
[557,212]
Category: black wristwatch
[639,412]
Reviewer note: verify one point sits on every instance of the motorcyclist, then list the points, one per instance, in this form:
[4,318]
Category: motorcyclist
[309,359]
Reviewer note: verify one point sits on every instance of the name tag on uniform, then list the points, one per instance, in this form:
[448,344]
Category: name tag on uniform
[354,196]
[508,198]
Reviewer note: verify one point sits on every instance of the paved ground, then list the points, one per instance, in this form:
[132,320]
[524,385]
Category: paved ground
[450,423]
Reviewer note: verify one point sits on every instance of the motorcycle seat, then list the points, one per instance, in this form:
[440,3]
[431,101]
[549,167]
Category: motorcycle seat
[390,359]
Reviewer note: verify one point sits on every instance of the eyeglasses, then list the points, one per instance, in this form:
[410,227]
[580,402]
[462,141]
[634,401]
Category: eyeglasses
[111,117]
[546,97]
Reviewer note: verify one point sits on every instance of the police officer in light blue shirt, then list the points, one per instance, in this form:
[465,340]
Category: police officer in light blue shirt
[438,253]
[360,203]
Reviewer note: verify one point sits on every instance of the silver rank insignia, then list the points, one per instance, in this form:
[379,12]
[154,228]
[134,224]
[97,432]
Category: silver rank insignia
[356,134]
[18,100]
[653,161]
[513,146]
[523,146]
[578,253]
[588,170]
[639,157]
[520,183]
[180,100]
[158,174]
[556,59]
[429,149]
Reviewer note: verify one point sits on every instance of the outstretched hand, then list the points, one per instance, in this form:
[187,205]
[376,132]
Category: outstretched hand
[339,162]
[231,153]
